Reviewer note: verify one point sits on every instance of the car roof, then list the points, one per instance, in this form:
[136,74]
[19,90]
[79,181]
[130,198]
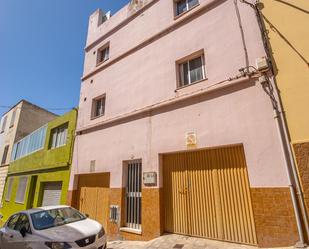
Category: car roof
[39,209]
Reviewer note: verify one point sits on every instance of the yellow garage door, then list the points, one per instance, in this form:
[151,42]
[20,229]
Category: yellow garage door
[206,194]
[93,196]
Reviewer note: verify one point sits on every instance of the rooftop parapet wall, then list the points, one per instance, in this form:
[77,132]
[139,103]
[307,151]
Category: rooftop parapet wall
[97,28]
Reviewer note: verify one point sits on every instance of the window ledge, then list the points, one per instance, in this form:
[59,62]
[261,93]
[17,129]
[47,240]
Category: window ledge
[131,230]
[101,62]
[183,13]
[54,148]
[196,82]
[20,203]
[95,117]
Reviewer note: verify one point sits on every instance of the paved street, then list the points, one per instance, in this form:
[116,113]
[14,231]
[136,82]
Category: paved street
[177,242]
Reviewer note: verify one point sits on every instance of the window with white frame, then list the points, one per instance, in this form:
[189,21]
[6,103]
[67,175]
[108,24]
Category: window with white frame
[59,136]
[21,190]
[103,54]
[4,120]
[29,144]
[185,5]
[13,118]
[191,70]
[9,188]
[98,106]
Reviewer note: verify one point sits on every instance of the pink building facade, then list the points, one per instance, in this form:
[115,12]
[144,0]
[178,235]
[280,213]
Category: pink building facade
[162,93]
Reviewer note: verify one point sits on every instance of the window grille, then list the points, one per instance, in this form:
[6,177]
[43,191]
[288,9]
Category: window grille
[134,195]
[114,213]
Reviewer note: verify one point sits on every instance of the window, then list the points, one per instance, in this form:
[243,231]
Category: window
[12,222]
[185,5]
[5,154]
[29,144]
[134,195]
[55,217]
[13,118]
[3,124]
[9,188]
[103,54]
[191,71]
[21,191]
[23,221]
[98,107]
[59,136]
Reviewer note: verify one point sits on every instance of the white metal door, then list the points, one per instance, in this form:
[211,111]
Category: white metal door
[51,193]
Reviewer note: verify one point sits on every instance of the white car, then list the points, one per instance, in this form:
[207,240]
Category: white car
[53,227]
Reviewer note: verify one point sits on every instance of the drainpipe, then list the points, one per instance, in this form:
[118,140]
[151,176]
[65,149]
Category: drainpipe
[291,176]
[284,138]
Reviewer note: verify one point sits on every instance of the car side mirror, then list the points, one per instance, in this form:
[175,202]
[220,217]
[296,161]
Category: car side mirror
[23,231]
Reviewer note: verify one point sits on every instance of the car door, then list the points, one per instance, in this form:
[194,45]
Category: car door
[22,242]
[8,234]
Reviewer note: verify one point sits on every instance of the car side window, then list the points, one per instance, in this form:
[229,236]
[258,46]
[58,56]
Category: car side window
[12,222]
[23,221]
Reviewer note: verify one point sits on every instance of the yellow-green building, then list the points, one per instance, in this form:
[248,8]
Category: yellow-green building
[287,27]
[40,165]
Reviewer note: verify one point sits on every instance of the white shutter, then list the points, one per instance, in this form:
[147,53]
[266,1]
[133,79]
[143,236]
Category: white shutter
[21,191]
[51,193]
[9,188]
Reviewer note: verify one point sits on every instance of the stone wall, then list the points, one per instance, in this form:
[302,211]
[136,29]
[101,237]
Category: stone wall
[301,151]
[274,217]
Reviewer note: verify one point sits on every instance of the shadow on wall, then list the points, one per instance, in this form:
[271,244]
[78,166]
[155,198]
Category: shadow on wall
[282,36]
[293,6]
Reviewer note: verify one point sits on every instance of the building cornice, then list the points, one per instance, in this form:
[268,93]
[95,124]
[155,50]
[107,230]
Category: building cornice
[148,109]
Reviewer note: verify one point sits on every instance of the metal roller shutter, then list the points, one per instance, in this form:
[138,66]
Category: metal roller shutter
[51,193]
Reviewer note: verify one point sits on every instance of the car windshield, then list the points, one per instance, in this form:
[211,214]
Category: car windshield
[55,217]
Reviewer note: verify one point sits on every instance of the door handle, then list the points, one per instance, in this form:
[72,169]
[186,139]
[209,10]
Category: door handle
[183,191]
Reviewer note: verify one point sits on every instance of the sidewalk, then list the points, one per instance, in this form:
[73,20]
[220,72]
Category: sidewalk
[170,241]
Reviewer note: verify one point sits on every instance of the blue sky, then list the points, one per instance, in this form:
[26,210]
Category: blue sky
[41,49]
